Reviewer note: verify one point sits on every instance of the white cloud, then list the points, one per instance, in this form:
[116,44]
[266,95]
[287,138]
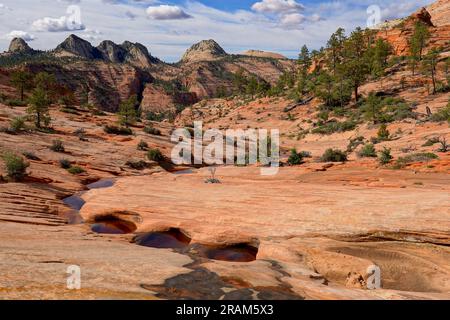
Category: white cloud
[63,23]
[92,34]
[130,15]
[277,6]
[20,34]
[292,21]
[235,31]
[166,12]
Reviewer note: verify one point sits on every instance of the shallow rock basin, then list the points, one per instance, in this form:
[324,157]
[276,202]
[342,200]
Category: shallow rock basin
[234,253]
[113,227]
[76,202]
[172,238]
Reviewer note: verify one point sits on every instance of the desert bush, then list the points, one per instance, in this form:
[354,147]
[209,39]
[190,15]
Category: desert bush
[65,163]
[431,142]
[155,155]
[81,134]
[137,164]
[153,131]
[17,124]
[118,130]
[142,145]
[16,103]
[445,147]
[30,156]
[354,143]
[69,111]
[57,146]
[76,170]
[383,133]
[384,156]
[16,166]
[334,126]
[334,155]
[441,115]
[368,151]
[295,158]
[415,157]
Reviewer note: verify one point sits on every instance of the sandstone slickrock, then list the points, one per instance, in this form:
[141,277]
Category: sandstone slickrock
[263,54]
[205,50]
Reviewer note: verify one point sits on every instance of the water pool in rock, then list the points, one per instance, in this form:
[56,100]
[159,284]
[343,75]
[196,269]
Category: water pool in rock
[233,253]
[170,239]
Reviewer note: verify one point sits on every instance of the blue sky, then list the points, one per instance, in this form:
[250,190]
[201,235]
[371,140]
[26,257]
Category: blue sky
[168,28]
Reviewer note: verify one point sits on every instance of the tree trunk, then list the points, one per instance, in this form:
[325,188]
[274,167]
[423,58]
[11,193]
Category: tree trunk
[356,93]
[433,78]
[21,93]
[38,120]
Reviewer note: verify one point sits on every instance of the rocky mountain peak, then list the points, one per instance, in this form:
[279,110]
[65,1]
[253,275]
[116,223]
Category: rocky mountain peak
[206,50]
[137,54]
[76,46]
[111,51]
[18,45]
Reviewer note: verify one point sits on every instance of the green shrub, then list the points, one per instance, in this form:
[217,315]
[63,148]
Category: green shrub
[57,146]
[16,166]
[415,157]
[354,143]
[69,111]
[368,151]
[118,130]
[30,156]
[65,163]
[383,133]
[155,155]
[17,124]
[152,131]
[142,145]
[445,147]
[384,156]
[305,154]
[295,158]
[76,170]
[137,164]
[441,115]
[334,126]
[16,103]
[334,155]
[431,142]
[323,115]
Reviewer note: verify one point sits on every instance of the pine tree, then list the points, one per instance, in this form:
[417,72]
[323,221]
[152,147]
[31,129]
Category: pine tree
[335,48]
[429,64]
[356,63]
[22,81]
[127,111]
[39,107]
[419,39]
[417,43]
[304,61]
[372,108]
